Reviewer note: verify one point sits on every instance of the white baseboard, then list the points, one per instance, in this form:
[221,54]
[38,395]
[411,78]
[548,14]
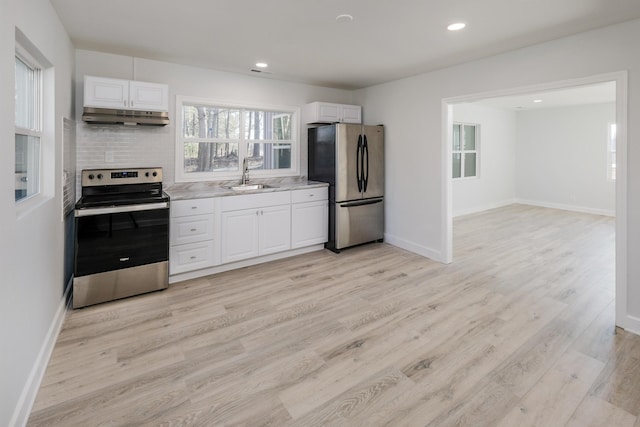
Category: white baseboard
[573,208]
[484,208]
[630,324]
[413,247]
[31,387]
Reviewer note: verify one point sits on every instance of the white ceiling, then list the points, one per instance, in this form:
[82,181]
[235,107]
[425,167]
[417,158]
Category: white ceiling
[302,41]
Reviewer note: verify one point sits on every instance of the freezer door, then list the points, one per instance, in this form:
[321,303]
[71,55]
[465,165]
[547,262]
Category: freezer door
[373,161]
[358,222]
[348,162]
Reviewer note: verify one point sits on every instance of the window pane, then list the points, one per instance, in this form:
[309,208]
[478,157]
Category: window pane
[457,160]
[470,164]
[210,122]
[25,97]
[27,166]
[456,138]
[270,125]
[210,157]
[469,137]
[269,156]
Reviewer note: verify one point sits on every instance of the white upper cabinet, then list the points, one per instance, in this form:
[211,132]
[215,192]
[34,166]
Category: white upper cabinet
[148,96]
[102,92]
[325,112]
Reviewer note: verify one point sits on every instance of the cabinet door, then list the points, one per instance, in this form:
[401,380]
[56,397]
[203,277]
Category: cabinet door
[351,114]
[148,96]
[328,113]
[275,229]
[239,235]
[309,223]
[105,93]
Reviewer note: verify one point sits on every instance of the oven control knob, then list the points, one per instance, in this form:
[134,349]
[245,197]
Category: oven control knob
[99,176]
[146,174]
[91,176]
[155,173]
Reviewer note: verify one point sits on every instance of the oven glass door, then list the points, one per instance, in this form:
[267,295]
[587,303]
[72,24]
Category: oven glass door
[112,241]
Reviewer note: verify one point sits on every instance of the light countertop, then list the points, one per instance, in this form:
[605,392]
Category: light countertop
[202,190]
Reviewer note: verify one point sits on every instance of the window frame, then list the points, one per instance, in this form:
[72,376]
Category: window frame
[180,141]
[462,151]
[24,56]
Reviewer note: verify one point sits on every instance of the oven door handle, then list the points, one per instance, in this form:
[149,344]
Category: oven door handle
[121,209]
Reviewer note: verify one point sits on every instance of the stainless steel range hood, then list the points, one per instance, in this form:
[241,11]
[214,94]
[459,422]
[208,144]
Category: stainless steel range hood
[125,117]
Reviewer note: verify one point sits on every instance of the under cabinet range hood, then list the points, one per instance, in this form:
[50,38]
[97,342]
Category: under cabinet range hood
[125,117]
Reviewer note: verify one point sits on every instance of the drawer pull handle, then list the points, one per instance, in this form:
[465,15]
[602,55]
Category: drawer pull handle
[193,229]
[125,259]
[193,257]
[194,207]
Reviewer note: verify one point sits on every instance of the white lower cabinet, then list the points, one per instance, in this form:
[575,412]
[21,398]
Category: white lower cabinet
[212,232]
[192,256]
[239,235]
[193,240]
[259,230]
[309,217]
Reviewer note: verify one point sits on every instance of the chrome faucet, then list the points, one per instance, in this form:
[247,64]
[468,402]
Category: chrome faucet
[245,171]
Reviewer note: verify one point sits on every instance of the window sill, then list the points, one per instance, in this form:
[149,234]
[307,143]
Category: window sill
[30,204]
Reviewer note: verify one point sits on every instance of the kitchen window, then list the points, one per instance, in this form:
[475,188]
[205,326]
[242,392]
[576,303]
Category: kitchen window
[28,125]
[214,138]
[465,150]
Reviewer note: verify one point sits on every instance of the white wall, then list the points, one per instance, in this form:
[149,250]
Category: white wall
[411,110]
[495,184]
[31,255]
[148,146]
[561,157]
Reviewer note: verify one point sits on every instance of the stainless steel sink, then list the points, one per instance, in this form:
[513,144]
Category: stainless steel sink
[247,187]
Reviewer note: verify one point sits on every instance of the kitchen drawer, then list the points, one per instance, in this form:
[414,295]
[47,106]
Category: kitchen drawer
[192,256]
[191,229]
[251,201]
[309,195]
[192,207]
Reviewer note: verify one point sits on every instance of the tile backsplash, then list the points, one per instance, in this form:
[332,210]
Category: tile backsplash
[120,146]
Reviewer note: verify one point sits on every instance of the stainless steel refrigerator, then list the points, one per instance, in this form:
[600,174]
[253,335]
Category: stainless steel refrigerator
[351,159]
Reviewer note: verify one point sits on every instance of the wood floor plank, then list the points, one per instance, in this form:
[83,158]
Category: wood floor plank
[517,330]
[554,399]
[594,412]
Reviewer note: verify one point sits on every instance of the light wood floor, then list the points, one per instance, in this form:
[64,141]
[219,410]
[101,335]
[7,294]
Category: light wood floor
[517,331]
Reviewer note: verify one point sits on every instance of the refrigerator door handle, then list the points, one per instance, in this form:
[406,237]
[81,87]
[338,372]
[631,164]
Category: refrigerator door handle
[365,172]
[359,163]
[360,203]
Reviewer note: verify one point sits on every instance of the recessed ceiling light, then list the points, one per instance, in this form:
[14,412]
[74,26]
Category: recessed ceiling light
[537,101]
[262,64]
[344,18]
[456,26]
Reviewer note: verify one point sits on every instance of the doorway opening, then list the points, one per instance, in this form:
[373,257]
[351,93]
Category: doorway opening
[620,81]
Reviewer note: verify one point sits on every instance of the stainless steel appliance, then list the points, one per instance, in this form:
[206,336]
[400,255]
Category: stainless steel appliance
[122,235]
[351,159]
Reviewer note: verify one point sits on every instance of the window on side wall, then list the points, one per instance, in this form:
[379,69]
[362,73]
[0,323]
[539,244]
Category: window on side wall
[465,150]
[611,152]
[213,139]
[28,125]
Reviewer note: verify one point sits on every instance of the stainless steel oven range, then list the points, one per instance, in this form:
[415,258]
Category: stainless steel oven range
[122,235]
